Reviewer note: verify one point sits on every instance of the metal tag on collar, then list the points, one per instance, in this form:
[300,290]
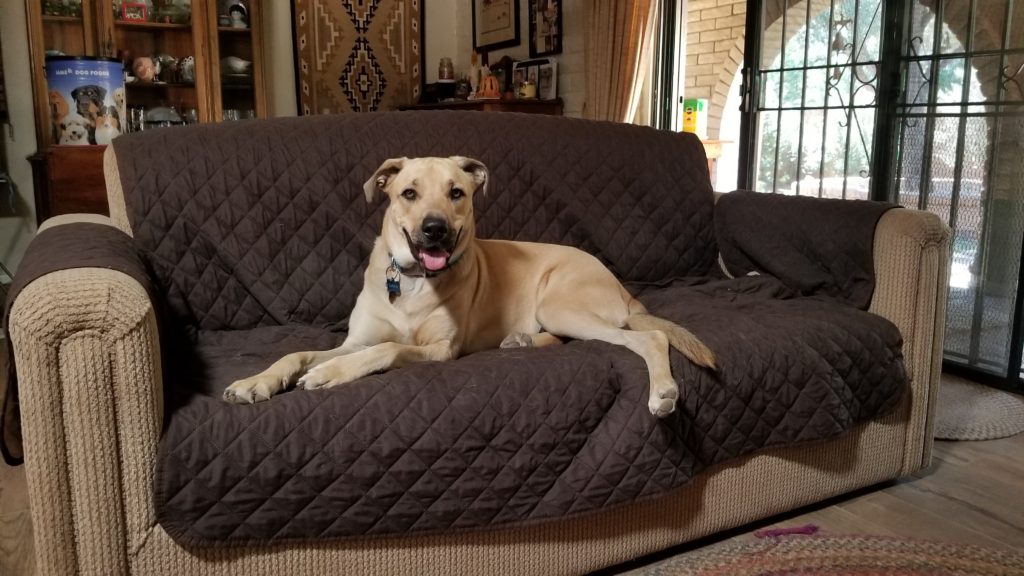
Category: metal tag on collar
[393,281]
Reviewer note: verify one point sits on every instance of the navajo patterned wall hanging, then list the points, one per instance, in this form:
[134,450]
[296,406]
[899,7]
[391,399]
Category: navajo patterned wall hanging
[357,55]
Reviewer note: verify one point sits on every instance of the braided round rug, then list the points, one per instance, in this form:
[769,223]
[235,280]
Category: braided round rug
[970,411]
[840,555]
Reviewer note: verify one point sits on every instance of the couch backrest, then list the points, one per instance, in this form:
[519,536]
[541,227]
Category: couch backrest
[264,222]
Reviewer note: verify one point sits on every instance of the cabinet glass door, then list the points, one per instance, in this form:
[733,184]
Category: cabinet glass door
[58,28]
[65,26]
[159,42]
[235,63]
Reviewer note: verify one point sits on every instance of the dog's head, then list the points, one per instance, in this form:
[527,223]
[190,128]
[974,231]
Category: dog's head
[107,117]
[58,105]
[89,99]
[118,96]
[74,129]
[430,217]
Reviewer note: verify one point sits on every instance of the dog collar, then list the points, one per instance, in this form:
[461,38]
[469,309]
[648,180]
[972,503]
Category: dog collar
[395,271]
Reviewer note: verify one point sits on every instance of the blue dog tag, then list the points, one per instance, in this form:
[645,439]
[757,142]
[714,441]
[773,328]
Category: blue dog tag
[393,282]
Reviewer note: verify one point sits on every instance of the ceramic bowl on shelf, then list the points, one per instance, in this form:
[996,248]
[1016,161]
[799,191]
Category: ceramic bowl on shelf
[161,116]
[235,65]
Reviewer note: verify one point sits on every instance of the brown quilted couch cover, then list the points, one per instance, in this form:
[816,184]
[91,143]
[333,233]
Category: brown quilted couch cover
[257,235]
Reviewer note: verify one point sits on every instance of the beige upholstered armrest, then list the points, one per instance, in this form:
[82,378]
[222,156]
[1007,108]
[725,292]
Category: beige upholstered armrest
[911,286]
[88,361]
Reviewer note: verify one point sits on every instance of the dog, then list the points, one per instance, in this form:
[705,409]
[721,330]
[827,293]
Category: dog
[108,125]
[88,100]
[75,130]
[58,110]
[119,101]
[433,291]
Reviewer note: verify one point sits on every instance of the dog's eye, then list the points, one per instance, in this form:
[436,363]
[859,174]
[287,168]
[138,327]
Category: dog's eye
[409,194]
[456,194]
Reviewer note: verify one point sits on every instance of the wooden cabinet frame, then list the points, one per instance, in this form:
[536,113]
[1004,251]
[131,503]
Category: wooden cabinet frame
[70,178]
[102,32]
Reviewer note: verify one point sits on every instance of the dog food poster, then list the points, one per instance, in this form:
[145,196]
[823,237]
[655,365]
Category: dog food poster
[86,100]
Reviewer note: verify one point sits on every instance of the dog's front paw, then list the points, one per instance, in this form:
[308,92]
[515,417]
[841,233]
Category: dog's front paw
[662,401]
[253,389]
[323,375]
[517,340]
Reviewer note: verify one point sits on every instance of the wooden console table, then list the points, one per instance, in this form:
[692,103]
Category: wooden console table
[529,106]
[68,180]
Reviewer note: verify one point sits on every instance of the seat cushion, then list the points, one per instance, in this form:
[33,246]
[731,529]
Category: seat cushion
[508,436]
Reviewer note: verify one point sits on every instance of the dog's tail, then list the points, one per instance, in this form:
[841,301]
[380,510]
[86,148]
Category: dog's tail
[680,338]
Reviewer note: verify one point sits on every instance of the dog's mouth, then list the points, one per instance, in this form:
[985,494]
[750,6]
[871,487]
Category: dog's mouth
[432,256]
[435,259]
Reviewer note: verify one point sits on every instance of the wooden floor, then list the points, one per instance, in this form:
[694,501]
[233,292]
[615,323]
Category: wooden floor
[973,493]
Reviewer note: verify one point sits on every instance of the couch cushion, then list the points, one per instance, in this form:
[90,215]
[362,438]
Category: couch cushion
[264,223]
[817,246]
[511,435]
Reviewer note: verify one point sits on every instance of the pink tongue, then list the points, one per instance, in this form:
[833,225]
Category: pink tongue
[434,260]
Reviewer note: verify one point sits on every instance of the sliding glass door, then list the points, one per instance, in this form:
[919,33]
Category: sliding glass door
[920,102]
[957,152]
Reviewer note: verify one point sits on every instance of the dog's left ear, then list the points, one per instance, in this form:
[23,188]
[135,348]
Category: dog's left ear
[476,169]
[380,178]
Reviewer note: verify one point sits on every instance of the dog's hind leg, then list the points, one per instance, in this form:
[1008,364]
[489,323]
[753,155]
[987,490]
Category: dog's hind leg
[651,345]
[524,340]
[678,337]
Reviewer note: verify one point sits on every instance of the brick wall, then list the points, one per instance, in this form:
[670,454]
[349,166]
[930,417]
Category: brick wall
[714,52]
[714,45]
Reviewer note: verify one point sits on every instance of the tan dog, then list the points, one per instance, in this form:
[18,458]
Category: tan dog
[433,291]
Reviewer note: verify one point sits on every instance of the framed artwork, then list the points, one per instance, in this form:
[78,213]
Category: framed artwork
[134,11]
[543,73]
[333,78]
[495,24]
[545,27]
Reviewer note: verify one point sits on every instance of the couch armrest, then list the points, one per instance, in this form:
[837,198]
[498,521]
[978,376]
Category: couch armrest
[911,255]
[88,363]
[910,261]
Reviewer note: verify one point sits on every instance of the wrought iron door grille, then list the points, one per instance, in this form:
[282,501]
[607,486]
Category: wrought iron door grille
[957,152]
[818,96]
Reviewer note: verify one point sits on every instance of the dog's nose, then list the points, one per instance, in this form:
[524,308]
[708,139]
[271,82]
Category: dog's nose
[434,229]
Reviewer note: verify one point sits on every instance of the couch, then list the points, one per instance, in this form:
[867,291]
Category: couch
[227,245]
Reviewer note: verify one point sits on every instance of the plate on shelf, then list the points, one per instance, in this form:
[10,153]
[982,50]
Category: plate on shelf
[237,79]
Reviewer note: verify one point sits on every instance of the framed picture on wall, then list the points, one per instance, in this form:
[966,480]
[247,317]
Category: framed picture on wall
[545,27]
[495,24]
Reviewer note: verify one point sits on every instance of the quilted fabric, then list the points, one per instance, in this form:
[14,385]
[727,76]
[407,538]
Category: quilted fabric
[802,241]
[258,232]
[264,223]
[512,435]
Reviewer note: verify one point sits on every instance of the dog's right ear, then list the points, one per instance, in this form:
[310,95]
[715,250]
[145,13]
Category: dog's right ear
[382,176]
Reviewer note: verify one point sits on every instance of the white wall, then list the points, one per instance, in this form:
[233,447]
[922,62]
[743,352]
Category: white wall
[20,138]
[448,27]
[279,59]
[444,37]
